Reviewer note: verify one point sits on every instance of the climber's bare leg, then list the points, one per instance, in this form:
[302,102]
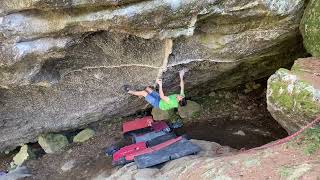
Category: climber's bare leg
[138,93]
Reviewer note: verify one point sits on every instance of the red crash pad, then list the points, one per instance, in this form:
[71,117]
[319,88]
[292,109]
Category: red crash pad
[137,124]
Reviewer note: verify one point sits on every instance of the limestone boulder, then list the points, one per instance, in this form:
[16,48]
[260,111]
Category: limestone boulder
[293,97]
[63,63]
[248,40]
[84,135]
[191,110]
[52,143]
[310,28]
[79,89]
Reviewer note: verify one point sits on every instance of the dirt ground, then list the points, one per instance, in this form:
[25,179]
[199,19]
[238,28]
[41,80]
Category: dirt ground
[88,158]
[5,160]
[278,162]
[246,123]
[239,135]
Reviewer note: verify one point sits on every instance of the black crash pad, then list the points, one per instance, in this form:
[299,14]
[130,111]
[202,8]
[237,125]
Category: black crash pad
[174,151]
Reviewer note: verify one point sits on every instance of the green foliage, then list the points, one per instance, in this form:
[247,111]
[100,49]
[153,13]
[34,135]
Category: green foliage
[312,140]
[310,28]
[301,97]
[196,114]
[285,171]
[174,117]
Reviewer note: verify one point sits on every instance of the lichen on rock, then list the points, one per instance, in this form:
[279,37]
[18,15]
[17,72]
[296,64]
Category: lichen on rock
[310,28]
[84,135]
[52,143]
[189,111]
[294,96]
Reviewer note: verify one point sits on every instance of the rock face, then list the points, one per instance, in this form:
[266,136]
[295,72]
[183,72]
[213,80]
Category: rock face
[63,63]
[85,91]
[293,97]
[310,28]
[247,40]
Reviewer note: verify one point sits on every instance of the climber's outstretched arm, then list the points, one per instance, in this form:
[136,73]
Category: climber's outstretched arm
[162,96]
[181,75]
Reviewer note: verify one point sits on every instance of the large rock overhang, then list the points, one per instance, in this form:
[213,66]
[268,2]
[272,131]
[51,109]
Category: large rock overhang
[63,65]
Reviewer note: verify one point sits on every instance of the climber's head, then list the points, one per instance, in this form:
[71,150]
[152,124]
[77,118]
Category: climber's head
[182,100]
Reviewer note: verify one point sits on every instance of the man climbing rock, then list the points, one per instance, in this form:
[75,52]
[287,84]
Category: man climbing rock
[159,100]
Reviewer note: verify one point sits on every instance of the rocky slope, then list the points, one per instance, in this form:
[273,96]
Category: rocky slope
[273,163]
[63,63]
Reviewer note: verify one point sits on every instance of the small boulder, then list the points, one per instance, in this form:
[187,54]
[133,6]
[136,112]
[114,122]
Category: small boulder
[52,143]
[84,135]
[293,97]
[67,166]
[24,154]
[191,110]
[159,114]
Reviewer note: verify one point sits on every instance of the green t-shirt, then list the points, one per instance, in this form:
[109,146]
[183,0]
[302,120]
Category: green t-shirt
[173,103]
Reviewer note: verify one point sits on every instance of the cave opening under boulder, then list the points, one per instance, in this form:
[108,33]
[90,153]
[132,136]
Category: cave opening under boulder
[237,118]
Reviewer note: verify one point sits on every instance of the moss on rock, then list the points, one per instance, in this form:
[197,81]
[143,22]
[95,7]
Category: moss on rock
[292,101]
[310,28]
[190,111]
[52,143]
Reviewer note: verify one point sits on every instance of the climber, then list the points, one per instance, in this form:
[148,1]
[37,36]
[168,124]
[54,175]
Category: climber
[160,100]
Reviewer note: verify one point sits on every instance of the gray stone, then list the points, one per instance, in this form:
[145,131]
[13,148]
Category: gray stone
[293,97]
[191,110]
[157,18]
[24,154]
[68,165]
[52,143]
[159,114]
[84,135]
[234,47]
